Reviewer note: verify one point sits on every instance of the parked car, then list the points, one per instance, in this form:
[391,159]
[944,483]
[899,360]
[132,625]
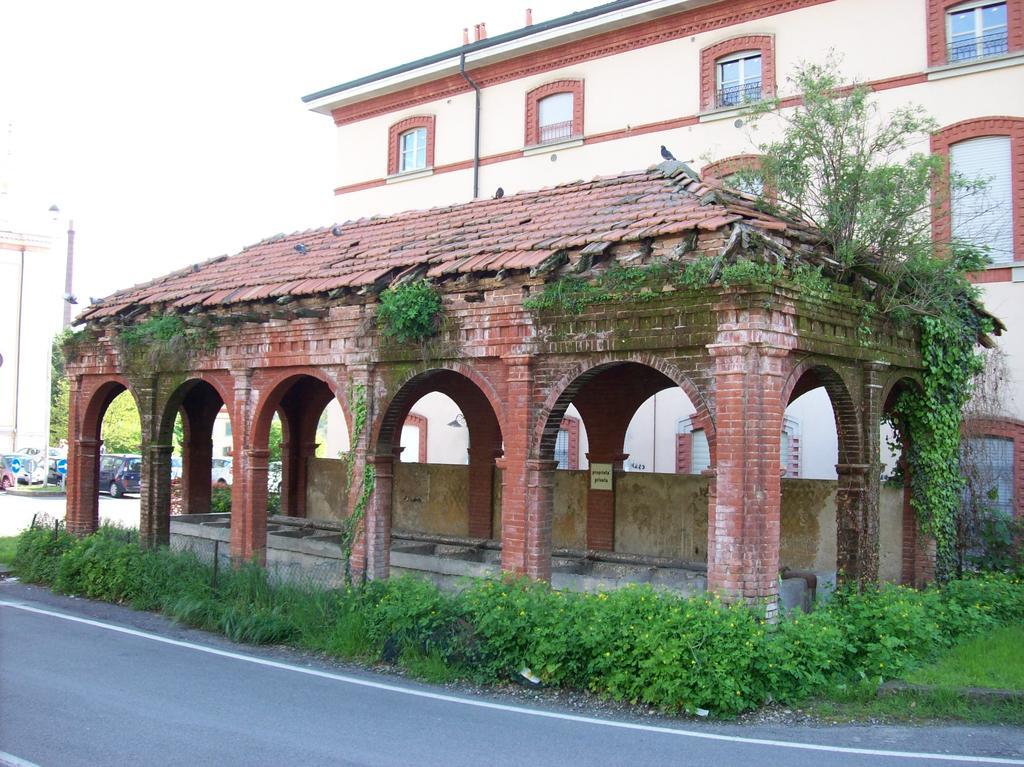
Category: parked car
[15,470]
[220,474]
[176,467]
[120,474]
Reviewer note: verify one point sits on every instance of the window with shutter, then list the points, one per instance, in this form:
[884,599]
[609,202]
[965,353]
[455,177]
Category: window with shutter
[984,217]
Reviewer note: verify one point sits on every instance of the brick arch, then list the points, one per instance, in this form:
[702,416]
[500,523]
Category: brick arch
[895,383]
[720,169]
[278,387]
[387,418]
[99,395]
[219,381]
[542,444]
[815,372]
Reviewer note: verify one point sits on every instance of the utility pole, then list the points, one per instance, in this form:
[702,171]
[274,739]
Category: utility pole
[69,272]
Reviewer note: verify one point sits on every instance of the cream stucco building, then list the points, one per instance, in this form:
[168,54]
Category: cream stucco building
[600,91]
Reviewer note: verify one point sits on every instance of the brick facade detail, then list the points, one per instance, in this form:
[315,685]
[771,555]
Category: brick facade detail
[395,133]
[765,44]
[532,113]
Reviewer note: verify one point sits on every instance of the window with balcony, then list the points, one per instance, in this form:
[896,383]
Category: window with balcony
[737,71]
[738,79]
[976,30]
[554,113]
[984,216]
[554,118]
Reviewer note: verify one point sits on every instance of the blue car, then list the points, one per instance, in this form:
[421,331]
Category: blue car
[120,474]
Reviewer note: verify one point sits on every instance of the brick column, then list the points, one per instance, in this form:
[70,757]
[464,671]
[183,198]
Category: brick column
[851,491]
[378,518]
[361,375]
[196,467]
[743,532]
[516,496]
[601,506]
[155,505]
[918,565]
[305,451]
[83,478]
[540,496]
[871,426]
[481,491]
[241,429]
[249,522]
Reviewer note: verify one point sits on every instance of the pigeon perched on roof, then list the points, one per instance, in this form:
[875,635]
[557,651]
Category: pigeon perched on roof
[499,193]
[667,155]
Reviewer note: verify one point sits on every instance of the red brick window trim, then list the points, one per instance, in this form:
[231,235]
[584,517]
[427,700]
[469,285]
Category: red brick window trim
[1012,430]
[563,130]
[939,51]
[943,140]
[395,133]
[721,170]
[419,423]
[710,95]
[571,426]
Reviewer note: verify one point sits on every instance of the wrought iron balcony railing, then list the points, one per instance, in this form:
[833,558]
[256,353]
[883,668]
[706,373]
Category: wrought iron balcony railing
[982,46]
[739,94]
[556,132]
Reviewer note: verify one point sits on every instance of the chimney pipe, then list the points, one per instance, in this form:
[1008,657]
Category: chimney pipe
[529,17]
[465,35]
[476,33]
[483,30]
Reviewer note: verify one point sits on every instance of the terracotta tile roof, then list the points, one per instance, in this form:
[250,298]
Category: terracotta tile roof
[516,232]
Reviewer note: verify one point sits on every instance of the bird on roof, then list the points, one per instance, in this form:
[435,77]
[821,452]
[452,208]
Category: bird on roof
[499,193]
[667,155]
[301,248]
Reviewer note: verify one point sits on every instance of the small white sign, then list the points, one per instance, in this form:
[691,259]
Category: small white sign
[600,476]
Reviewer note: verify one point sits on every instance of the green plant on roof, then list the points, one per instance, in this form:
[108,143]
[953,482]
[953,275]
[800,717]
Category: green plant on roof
[164,341]
[410,312]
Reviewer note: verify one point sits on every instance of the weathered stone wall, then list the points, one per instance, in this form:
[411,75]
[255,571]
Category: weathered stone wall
[431,498]
[658,515]
[325,489]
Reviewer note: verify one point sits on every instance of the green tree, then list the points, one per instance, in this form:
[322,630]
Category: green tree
[122,430]
[853,174]
[274,442]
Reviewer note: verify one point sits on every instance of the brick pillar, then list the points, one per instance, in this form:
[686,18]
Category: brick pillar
[851,491]
[361,375]
[918,565]
[196,468]
[306,450]
[249,522]
[743,532]
[83,477]
[871,425]
[289,485]
[540,496]
[155,505]
[601,506]
[241,429]
[378,518]
[481,491]
[514,474]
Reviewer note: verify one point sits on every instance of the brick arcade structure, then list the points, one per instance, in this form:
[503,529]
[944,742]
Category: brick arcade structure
[294,324]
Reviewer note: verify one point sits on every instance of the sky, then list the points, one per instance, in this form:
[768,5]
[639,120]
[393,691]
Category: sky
[171,133]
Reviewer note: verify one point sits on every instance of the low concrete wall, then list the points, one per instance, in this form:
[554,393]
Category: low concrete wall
[325,489]
[431,498]
[656,515]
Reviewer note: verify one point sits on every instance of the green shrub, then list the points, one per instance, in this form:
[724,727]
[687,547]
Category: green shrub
[220,500]
[38,553]
[634,644]
[410,312]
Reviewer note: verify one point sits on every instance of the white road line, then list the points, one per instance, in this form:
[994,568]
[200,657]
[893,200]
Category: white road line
[512,709]
[10,760]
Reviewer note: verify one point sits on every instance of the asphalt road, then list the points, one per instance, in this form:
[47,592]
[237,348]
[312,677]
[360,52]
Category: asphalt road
[84,683]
